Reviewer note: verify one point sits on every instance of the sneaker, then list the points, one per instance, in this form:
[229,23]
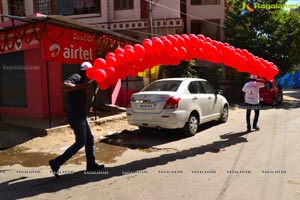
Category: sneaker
[54,168]
[248,129]
[94,167]
[256,128]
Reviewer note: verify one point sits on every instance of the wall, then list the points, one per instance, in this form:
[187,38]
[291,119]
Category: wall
[202,12]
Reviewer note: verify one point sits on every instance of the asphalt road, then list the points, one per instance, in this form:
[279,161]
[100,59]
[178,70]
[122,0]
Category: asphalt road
[221,162]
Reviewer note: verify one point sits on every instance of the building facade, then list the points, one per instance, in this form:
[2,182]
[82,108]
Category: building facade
[128,17]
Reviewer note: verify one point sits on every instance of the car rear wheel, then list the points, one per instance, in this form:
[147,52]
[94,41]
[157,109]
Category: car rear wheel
[224,115]
[192,125]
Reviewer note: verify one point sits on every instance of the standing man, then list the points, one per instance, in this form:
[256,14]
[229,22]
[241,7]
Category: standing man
[251,98]
[77,86]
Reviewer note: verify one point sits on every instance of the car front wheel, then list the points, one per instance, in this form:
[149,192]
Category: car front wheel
[224,115]
[191,126]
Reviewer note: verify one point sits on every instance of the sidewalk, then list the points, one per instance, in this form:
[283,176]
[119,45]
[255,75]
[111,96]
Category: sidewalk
[58,124]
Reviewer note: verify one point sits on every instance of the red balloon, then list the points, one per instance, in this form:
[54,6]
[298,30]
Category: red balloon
[110,55]
[200,37]
[100,75]
[100,63]
[111,61]
[173,40]
[128,46]
[173,52]
[167,44]
[147,44]
[139,50]
[187,40]
[180,40]
[90,73]
[110,71]
[157,44]
[193,40]
[119,51]
[182,53]
[120,58]
[103,85]
[129,55]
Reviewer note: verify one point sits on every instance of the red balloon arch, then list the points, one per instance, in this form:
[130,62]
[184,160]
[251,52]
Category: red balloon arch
[170,50]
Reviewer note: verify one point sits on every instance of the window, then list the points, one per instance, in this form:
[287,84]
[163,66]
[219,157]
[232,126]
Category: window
[209,28]
[209,89]
[170,86]
[205,2]
[123,4]
[72,7]
[195,88]
[43,6]
[16,7]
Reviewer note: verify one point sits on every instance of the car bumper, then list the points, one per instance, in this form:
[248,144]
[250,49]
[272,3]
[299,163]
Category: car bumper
[167,120]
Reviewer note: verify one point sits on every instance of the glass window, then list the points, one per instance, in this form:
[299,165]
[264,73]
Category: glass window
[123,4]
[204,2]
[209,89]
[74,7]
[195,88]
[209,28]
[168,86]
[16,7]
[43,6]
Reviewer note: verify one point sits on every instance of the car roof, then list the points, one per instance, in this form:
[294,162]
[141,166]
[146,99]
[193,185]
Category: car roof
[182,79]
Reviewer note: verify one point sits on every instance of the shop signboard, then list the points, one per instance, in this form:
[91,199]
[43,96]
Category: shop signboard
[65,45]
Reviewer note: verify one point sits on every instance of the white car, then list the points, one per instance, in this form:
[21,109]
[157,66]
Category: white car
[177,103]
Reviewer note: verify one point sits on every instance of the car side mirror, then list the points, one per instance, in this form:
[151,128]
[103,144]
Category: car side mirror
[219,91]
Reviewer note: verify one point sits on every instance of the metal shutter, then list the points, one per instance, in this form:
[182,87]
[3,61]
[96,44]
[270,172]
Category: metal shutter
[12,80]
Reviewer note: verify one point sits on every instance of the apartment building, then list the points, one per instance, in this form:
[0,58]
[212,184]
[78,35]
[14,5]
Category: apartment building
[129,17]
[204,17]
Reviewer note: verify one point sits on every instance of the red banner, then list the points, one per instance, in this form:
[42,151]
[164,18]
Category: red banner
[20,39]
[64,45]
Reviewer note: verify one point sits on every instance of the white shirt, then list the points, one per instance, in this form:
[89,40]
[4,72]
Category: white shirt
[251,90]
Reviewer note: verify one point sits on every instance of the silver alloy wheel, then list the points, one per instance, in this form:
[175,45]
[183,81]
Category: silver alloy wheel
[193,124]
[224,115]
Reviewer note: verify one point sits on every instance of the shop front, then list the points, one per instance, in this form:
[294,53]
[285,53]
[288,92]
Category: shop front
[38,55]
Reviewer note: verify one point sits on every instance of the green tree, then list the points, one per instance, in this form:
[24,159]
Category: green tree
[272,34]
[184,69]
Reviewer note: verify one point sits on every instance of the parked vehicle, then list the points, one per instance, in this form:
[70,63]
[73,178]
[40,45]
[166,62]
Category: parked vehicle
[177,103]
[271,93]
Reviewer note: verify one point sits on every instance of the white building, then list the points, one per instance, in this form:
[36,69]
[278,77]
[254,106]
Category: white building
[130,17]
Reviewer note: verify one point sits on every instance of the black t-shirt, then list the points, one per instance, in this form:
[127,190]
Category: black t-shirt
[77,99]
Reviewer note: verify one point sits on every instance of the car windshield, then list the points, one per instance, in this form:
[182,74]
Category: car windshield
[168,86]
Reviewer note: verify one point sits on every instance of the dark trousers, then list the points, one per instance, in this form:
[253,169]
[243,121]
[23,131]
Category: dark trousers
[83,137]
[256,108]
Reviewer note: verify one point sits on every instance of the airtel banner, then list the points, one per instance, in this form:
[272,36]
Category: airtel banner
[63,45]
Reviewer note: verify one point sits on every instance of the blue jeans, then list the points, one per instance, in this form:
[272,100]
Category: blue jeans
[250,107]
[83,137]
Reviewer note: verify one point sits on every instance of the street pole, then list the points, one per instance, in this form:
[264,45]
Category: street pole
[150,28]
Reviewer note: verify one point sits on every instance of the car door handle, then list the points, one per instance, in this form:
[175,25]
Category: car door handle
[195,98]
[209,98]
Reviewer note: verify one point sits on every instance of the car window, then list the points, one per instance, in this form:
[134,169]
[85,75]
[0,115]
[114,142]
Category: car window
[209,89]
[195,87]
[268,85]
[168,86]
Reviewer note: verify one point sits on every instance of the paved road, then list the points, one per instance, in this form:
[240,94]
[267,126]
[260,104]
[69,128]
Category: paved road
[221,162]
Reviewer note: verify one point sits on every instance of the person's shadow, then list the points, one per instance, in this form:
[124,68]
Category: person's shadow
[23,188]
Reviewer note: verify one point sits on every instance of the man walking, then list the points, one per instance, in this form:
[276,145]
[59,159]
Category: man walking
[251,98]
[76,86]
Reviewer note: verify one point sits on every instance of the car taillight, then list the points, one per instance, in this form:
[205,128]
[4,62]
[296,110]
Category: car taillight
[172,103]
